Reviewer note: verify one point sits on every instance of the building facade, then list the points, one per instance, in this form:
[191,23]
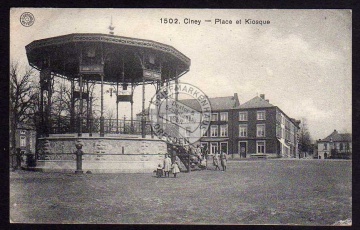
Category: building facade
[261,128]
[219,136]
[336,145]
[255,127]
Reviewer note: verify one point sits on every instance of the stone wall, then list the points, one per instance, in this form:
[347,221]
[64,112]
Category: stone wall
[101,155]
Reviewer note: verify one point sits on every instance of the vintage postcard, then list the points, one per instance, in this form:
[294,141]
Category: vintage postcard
[180,116]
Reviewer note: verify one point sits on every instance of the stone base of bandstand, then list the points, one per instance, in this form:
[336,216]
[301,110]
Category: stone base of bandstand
[109,154]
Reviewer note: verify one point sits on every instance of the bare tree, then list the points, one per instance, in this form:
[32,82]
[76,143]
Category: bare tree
[22,97]
[110,120]
[305,141]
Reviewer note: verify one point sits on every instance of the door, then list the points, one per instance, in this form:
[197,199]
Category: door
[224,147]
[243,149]
[214,148]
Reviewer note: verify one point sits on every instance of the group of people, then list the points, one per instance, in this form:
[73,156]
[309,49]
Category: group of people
[167,167]
[202,155]
[199,154]
[223,160]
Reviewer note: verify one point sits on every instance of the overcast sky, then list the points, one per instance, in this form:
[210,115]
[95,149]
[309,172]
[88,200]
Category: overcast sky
[301,61]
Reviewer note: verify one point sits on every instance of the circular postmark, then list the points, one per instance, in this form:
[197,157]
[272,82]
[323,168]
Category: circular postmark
[27,19]
[180,113]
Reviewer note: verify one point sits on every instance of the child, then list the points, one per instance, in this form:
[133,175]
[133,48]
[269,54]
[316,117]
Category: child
[175,168]
[159,171]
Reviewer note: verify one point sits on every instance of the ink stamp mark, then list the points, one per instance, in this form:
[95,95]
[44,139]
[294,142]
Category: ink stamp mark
[180,114]
[27,19]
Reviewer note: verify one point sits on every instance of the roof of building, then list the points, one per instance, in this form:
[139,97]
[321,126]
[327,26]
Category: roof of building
[217,103]
[22,125]
[256,102]
[338,137]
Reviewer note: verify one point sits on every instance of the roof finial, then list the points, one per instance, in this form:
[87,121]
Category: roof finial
[111,27]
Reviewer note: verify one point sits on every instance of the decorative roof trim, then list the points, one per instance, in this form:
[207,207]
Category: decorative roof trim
[107,38]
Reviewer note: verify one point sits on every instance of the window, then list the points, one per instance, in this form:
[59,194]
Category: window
[224,116]
[260,147]
[23,132]
[214,117]
[214,130]
[223,130]
[23,141]
[341,146]
[260,130]
[224,147]
[204,132]
[287,135]
[243,116]
[214,147]
[260,115]
[278,117]
[325,146]
[278,131]
[242,130]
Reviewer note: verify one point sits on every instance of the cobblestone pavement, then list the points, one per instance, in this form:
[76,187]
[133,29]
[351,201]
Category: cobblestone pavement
[309,192]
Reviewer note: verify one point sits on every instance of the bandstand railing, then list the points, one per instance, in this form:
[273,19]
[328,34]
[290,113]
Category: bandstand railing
[111,126]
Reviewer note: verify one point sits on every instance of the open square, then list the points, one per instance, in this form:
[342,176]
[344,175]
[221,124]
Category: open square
[286,192]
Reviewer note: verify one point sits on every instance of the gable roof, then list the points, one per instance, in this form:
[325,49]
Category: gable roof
[337,137]
[217,103]
[256,102]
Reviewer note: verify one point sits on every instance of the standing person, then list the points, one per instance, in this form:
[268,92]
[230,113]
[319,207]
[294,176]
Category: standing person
[159,171]
[216,161]
[198,152]
[167,165]
[206,154]
[174,152]
[175,168]
[223,160]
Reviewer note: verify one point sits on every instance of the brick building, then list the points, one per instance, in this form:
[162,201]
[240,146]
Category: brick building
[262,128]
[255,127]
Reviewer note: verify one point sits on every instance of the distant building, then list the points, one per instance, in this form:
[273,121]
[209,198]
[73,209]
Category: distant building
[25,141]
[336,145]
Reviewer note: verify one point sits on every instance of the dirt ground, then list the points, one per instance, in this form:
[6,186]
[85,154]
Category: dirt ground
[285,192]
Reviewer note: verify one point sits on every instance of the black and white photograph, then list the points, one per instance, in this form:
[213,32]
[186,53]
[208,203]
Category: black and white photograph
[180,116]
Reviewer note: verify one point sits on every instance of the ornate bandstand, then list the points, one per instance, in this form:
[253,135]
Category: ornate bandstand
[103,60]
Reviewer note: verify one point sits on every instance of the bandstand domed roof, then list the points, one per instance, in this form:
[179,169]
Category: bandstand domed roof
[63,55]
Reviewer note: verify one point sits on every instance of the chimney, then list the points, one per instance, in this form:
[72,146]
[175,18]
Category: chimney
[262,96]
[267,100]
[236,98]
